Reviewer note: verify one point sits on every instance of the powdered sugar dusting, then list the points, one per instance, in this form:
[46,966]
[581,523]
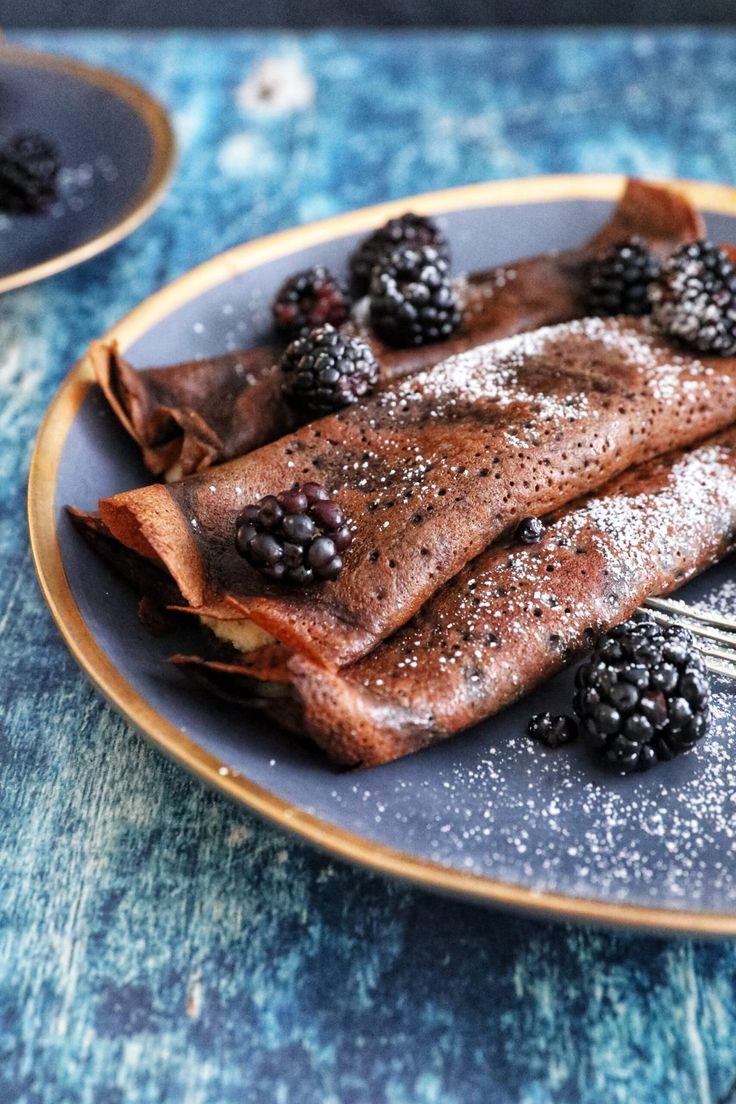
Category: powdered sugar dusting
[554,822]
[594,562]
[494,803]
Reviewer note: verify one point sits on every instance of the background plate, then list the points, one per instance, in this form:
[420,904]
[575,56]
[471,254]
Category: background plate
[117,152]
[489,814]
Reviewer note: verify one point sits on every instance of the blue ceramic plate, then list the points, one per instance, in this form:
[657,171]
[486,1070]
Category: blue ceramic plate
[116,149]
[489,814]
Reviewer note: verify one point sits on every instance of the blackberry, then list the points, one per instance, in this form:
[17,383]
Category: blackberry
[530,530]
[552,731]
[294,537]
[310,298]
[643,695]
[326,370]
[29,169]
[373,251]
[694,298]
[412,301]
[619,280]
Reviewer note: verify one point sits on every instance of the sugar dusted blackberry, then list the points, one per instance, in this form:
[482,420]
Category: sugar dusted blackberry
[326,370]
[373,251]
[643,695]
[694,298]
[530,530]
[295,537]
[29,170]
[308,299]
[619,280]
[412,301]
[552,731]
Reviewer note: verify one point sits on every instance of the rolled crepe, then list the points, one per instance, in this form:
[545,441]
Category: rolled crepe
[512,618]
[431,472]
[187,417]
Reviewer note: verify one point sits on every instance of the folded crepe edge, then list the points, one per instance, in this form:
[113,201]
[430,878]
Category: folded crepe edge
[658,211]
[315,703]
[172,438]
[170,536]
[295,689]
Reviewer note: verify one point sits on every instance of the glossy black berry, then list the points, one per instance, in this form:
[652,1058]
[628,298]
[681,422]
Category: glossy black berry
[620,279]
[309,299]
[552,731]
[643,695]
[326,370]
[412,300]
[29,170]
[298,528]
[694,298]
[530,530]
[373,251]
[296,537]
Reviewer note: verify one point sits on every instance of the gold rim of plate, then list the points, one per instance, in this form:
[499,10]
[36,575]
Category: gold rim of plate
[710,198]
[163,154]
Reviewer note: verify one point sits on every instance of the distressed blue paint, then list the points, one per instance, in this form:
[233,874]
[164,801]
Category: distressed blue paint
[157,944]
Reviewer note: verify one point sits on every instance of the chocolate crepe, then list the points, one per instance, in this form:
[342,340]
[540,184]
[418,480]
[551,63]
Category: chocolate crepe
[431,471]
[189,416]
[513,617]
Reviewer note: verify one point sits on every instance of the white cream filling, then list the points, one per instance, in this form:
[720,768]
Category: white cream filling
[246,637]
[242,633]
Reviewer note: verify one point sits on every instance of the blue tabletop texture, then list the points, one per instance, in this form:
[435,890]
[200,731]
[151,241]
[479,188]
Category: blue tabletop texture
[157,944]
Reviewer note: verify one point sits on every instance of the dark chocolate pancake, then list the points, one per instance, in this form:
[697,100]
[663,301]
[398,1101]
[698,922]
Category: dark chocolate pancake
[187,417]
[512,618]
[431,471]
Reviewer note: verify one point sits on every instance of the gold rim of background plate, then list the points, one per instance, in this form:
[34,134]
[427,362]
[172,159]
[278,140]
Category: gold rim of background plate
[710,198]
[163,152]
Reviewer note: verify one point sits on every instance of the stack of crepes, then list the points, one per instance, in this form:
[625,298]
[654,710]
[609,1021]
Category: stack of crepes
[440,616]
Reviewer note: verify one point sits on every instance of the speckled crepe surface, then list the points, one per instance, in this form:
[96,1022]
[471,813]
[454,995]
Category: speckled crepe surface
[157,944]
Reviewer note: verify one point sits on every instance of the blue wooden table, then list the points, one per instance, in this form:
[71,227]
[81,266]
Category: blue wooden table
[159,945]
